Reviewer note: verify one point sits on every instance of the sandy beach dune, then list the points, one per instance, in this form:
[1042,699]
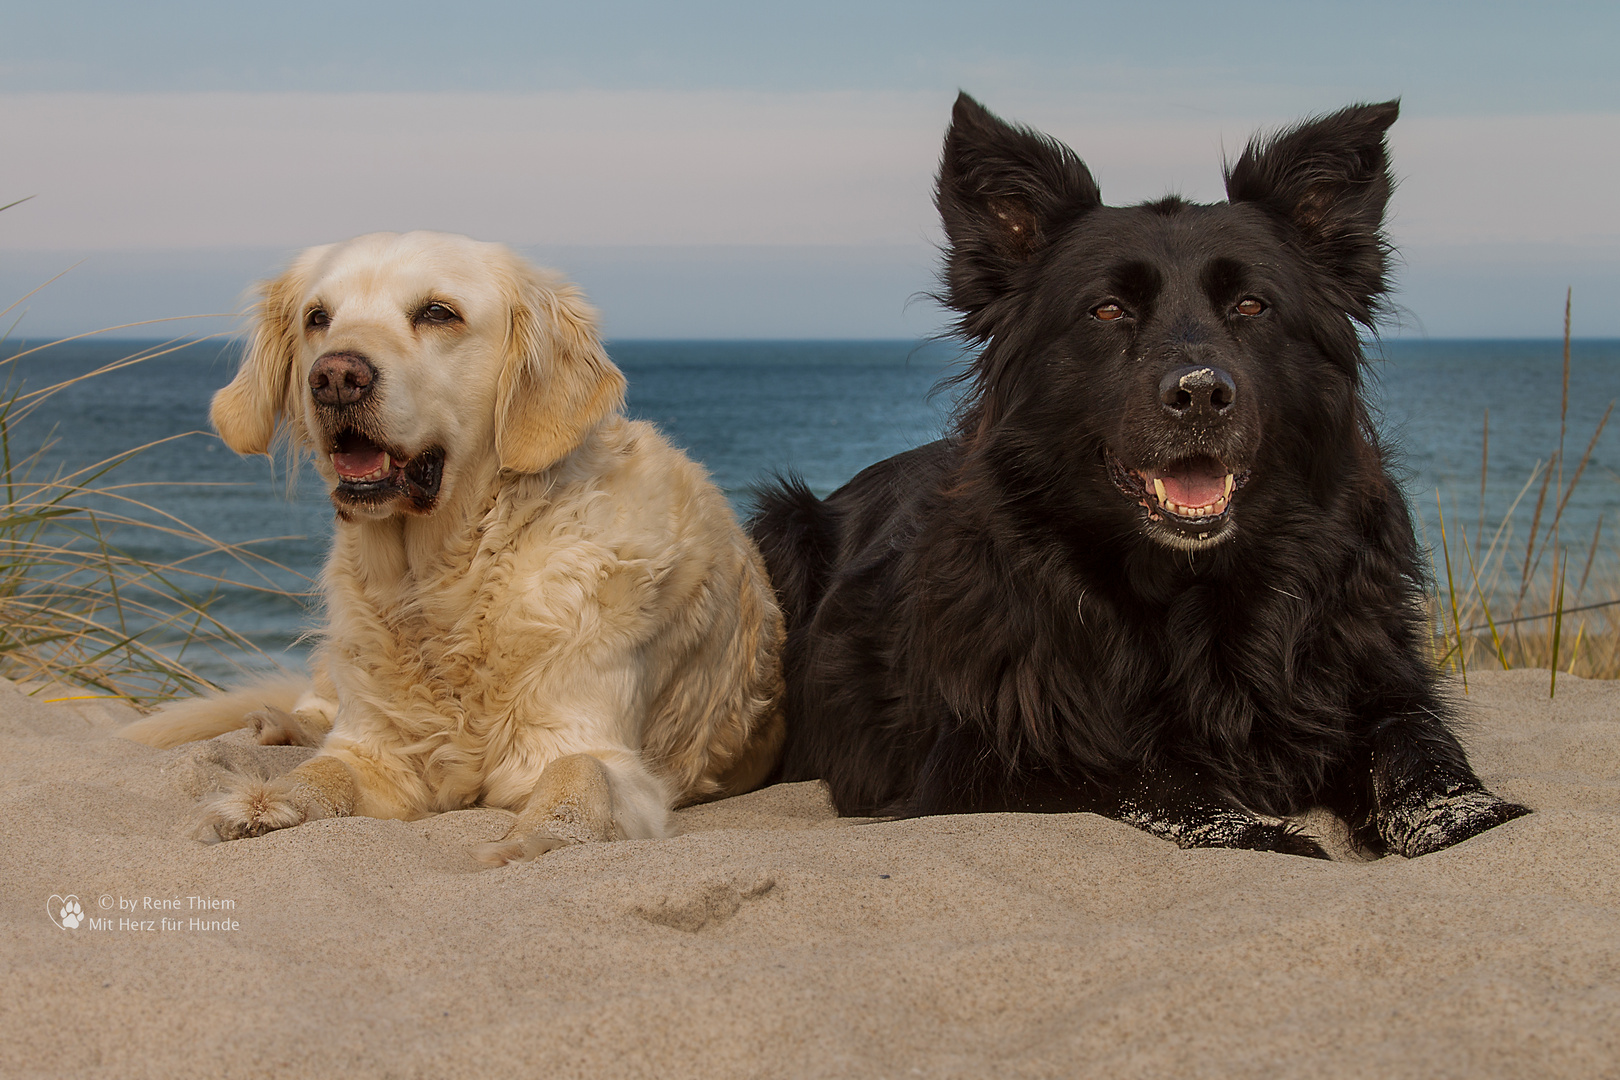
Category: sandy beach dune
[773,939]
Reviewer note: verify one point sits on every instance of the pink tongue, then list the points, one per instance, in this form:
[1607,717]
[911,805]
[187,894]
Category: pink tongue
[1194,488]
[363,463]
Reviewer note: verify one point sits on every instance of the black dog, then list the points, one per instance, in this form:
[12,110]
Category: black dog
[1159,570]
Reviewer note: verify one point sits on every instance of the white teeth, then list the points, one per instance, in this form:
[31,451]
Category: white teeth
[378,473]
[1214,509]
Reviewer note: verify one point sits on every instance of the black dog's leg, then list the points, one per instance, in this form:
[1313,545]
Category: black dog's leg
[1423,794]
[1172,804]
[962,774]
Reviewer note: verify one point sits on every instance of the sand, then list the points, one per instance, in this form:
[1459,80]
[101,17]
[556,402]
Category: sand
[774,939]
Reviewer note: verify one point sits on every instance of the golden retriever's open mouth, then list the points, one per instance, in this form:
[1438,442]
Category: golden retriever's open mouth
[370,475]
[1193,495]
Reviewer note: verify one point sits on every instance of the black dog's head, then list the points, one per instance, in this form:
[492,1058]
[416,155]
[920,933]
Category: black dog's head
[1170,364]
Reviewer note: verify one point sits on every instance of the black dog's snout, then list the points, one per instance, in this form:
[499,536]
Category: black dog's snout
[341,379]
[1190,393]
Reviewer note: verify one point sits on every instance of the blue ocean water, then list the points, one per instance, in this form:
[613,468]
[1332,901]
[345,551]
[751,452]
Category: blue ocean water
[824,409]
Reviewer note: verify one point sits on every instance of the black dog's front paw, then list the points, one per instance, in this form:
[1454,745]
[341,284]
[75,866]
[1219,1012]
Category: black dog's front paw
[1424,824]
[1203,826]
[1285,839]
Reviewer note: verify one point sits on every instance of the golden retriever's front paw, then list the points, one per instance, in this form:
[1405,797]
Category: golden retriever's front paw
[254,809]
[518,849]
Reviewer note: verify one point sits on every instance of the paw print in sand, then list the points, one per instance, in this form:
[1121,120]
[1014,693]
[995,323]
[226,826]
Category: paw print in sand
[71,914]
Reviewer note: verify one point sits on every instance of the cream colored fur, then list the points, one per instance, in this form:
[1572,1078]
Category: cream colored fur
[577,630]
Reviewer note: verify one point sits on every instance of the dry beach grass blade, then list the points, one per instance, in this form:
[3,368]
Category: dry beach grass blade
[80,614]
[1547,626]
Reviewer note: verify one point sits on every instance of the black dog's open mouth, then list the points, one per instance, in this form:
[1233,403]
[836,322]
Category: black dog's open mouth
[370,475]
[1193,493]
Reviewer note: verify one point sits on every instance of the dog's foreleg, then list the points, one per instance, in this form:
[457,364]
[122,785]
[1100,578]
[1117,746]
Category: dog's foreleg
[1171,805]
[584,798]
[1424,796]
[345,780]
[321,787]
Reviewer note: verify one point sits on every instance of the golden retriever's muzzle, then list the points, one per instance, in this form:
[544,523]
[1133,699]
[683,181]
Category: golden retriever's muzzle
[371,473]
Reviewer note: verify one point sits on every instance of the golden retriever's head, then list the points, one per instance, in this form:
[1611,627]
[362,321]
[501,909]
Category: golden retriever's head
[403,362]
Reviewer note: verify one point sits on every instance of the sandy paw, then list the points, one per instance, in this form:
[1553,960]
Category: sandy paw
[1423,825]
[253,809]
[1287,839]
[518,849]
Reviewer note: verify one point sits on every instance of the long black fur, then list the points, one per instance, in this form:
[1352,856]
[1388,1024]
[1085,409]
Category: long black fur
[1009,619]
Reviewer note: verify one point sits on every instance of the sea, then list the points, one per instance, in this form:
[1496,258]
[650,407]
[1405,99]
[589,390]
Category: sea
[1453,410]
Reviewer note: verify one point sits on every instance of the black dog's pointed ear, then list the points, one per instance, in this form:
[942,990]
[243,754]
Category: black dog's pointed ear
[1329,178]
[1003,193]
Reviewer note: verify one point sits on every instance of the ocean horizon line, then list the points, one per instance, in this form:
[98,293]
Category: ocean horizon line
[10,345]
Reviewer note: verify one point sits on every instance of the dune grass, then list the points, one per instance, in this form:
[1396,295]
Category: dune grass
[1533,602]
[79,614]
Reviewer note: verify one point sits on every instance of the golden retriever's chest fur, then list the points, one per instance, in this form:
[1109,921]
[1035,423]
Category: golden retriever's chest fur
[475,651]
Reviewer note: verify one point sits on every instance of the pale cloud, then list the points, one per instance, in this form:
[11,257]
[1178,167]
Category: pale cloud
[212,170]
[125,171]
[1511,179]
[1541,179]
[1489,210]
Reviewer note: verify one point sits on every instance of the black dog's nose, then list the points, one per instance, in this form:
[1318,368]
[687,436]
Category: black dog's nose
[341,379]
[1190,393]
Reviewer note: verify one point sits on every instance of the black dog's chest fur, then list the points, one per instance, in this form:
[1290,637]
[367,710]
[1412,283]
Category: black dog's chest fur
[1159,569]
[1074,659]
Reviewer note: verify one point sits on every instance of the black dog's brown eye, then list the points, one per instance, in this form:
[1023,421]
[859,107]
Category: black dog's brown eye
[1249,306]
[437,313]
[317,318]
[1107,312]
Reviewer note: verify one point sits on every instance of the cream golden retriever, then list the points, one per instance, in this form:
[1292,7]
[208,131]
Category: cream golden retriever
[532,602]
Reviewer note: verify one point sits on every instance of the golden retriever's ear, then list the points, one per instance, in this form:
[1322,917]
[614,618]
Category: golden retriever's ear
[246,411]
[557,382]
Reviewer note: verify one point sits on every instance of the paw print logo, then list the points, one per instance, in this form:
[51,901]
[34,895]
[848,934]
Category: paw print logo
[65,911]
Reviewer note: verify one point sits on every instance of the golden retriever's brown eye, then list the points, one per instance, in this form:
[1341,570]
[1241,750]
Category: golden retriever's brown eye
[1107,313]
[317,318]
[1249,306]
[436,313]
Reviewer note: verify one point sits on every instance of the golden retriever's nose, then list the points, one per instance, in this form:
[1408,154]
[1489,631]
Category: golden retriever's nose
[341,379]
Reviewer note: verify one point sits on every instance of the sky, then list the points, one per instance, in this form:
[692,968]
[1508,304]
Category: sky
[764,170]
